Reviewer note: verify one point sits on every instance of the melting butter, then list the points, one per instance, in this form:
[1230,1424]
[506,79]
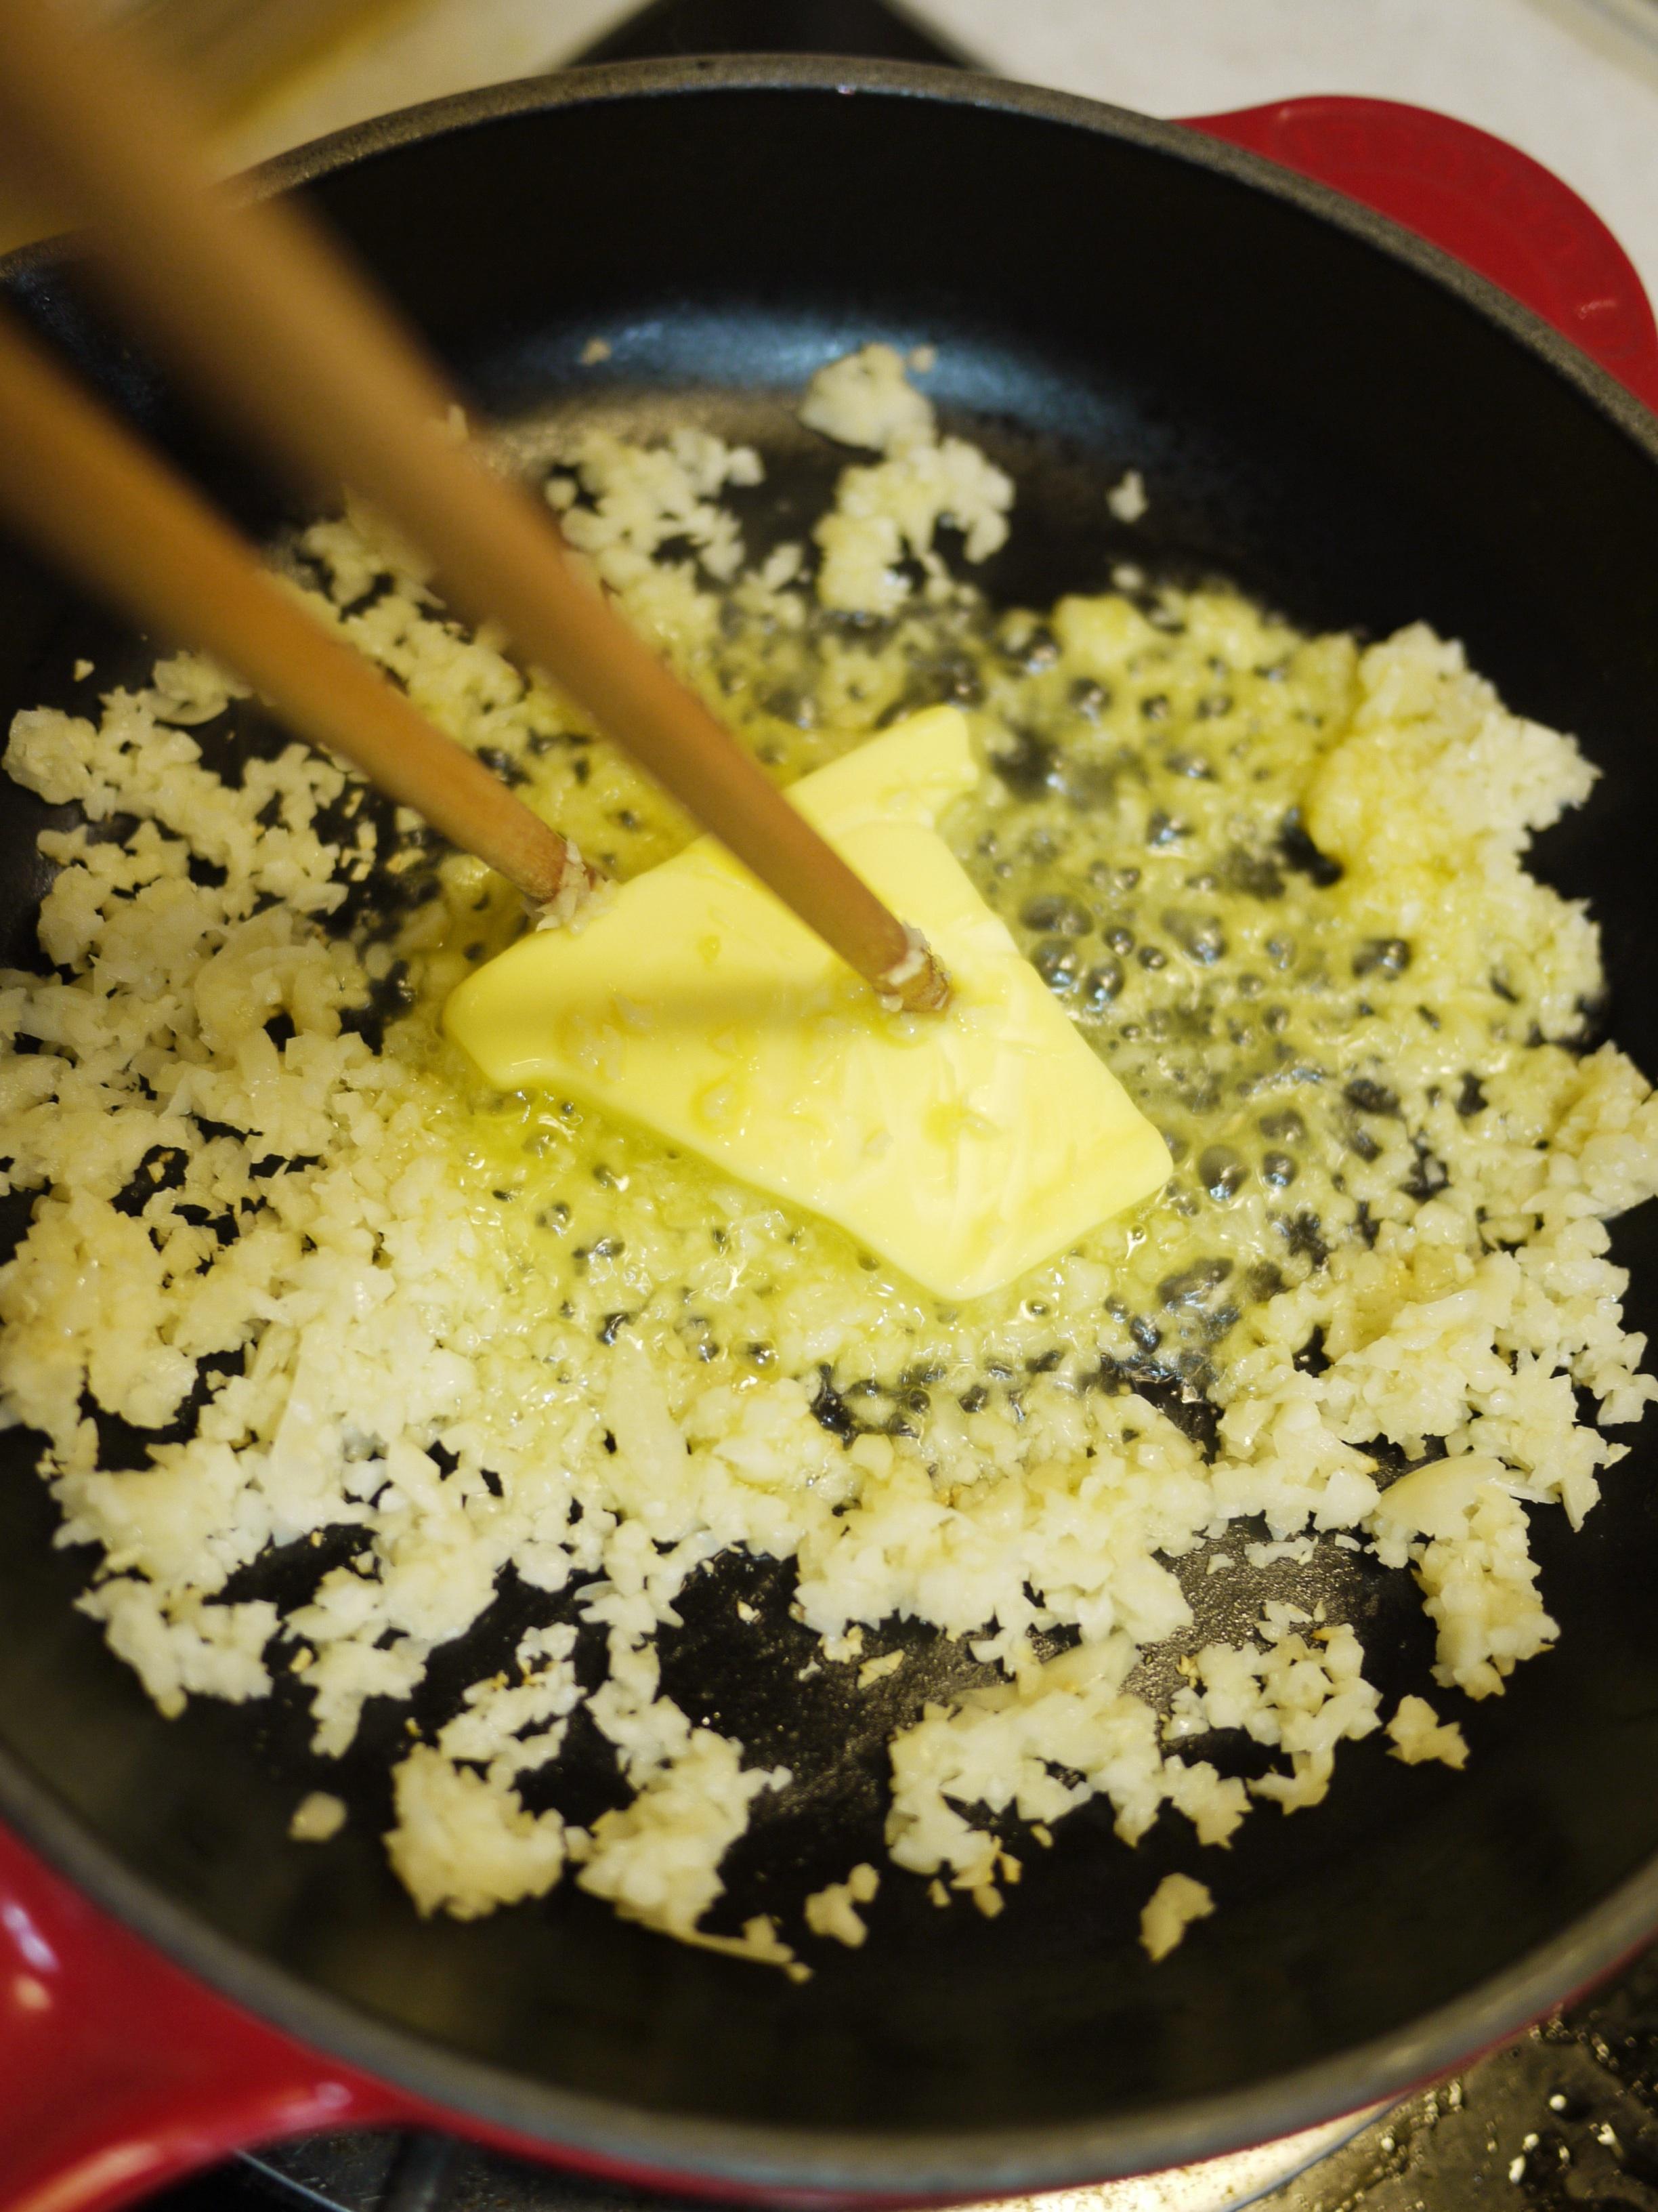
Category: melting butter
[963,1148]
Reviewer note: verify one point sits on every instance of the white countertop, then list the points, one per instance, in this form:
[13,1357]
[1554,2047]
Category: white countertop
[1574,82]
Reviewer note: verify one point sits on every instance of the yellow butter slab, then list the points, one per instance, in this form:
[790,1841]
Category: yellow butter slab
[963,1148]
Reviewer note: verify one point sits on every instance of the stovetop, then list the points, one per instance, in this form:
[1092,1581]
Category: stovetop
[1564,2120]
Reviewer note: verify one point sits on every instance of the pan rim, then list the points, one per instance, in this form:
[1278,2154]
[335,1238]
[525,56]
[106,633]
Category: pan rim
[600,84]
[702,2154]
[595,84]
[751,2156]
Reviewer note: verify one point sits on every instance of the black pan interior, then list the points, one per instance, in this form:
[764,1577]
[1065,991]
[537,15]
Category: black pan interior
[1357,443]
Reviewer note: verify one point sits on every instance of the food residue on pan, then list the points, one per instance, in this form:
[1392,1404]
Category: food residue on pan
[832,1910]
[318,1818]
[298,1280]
[1175,1903]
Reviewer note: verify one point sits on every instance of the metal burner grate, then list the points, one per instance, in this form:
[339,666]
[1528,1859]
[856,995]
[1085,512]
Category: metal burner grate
[873,28]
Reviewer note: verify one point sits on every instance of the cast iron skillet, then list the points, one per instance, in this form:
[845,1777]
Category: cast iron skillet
[1361,433]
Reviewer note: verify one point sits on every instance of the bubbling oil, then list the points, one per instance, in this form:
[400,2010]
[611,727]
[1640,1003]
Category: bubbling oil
[1140,833]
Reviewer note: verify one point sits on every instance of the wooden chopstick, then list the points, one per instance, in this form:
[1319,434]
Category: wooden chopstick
[127,527]
[268,321]
[239,56]
[236,55]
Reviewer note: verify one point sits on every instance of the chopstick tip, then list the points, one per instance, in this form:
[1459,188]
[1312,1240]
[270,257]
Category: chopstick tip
[560,885]
[916,984]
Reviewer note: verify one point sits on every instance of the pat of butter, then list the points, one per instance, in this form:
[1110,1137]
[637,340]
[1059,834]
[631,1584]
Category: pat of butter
[963,1147]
